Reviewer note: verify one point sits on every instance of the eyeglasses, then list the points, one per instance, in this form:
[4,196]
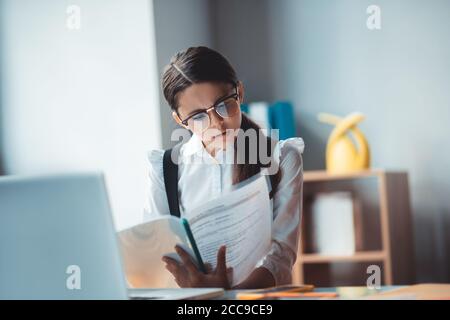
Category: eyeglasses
[225,107]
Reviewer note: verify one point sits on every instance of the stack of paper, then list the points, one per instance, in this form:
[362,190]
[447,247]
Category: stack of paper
[333,223]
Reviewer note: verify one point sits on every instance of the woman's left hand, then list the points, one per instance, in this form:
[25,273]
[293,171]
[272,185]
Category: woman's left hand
[187,274]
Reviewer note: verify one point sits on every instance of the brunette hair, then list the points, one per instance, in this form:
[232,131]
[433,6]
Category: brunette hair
[202,64]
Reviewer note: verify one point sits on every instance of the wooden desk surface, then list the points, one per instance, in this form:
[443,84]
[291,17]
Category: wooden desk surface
[343,292]
[425,291]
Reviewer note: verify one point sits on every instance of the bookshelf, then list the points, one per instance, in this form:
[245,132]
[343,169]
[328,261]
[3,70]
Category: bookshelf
[384,228]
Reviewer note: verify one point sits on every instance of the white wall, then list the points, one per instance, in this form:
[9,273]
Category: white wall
[179,24]
[81,99]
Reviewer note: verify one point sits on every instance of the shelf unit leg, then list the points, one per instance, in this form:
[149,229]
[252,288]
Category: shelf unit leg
[297,271]
[387,265]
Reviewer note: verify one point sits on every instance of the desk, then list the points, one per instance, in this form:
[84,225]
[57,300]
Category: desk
[425,291]
[344,292]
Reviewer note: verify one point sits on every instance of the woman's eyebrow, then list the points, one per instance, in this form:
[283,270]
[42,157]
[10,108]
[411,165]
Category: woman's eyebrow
[194,112]
[201,109]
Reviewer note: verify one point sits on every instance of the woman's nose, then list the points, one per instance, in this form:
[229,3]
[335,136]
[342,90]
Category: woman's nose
[216,120]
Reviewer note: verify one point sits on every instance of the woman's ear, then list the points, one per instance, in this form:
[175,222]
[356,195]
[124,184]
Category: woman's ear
[177,119]
[241,92]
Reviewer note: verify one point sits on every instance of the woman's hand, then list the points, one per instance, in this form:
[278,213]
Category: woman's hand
[187,275]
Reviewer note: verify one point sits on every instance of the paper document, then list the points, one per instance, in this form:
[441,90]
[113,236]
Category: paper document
[144,245]
[241,220]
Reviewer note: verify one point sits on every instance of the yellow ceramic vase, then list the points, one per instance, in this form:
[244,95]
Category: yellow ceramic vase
[342,154]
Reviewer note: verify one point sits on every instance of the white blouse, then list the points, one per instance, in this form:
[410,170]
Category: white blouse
[202,177]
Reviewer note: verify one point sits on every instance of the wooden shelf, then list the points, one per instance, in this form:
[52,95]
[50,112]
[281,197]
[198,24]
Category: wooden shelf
[322,175]
[385,223]
[356,257]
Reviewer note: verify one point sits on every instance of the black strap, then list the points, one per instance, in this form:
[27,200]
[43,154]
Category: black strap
[170,169]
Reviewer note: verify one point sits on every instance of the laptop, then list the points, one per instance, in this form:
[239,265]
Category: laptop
[58,241]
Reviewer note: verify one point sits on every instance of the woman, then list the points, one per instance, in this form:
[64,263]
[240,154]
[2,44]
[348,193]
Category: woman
[203,91]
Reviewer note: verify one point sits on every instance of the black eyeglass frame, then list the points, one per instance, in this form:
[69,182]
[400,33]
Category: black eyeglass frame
[234,95]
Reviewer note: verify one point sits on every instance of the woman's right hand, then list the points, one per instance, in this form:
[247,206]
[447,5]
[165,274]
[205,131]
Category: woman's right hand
[187,275]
